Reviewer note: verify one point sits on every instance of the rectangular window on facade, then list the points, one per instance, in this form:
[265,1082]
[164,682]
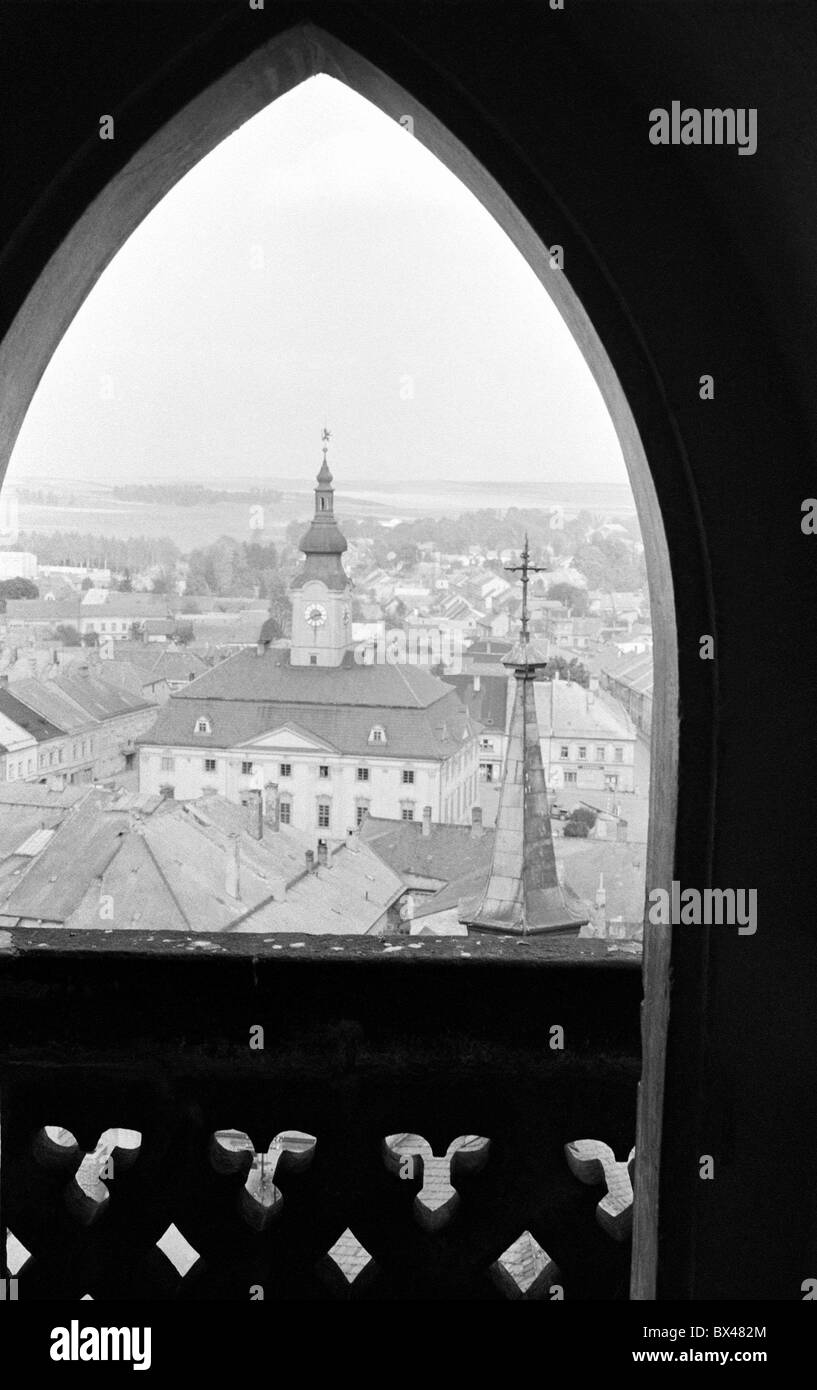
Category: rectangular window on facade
[600,753]
[167,764]
[619,754]
[246,768]
[408,775]
[285,769]
[323,815]
[323,770]
[582,750]
[363,774]
[564,751]
[285,812]
[360,812]
[570,777]
[407,813]
[209,764]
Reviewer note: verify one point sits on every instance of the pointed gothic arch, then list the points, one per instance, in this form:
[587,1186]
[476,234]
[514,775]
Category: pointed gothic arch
[600,323]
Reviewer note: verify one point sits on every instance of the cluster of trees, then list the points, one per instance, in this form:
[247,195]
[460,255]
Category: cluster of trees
[191,494]
[489,530]
[607,562]
[574,599]
[240,569]
[18,588]
[104,552]
[580,822]
[571,670]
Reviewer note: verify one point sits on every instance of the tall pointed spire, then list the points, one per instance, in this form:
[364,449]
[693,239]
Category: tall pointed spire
[324,542]
[523,895]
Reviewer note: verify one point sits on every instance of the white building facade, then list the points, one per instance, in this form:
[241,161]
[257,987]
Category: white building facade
[326,734]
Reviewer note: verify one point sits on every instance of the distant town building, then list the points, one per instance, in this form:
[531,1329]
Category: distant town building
[154,671]
[630,681]
[69,729]
[9,516]
[327,736]
[588,739]
[105,612]
[18,564]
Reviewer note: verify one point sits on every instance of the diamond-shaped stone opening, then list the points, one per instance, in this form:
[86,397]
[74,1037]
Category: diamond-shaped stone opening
[17,1257]
[178,1250]
[349,1255]
[525,1261]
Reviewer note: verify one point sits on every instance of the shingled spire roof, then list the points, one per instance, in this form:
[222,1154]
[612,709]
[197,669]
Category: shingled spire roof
[324,543]
[523,895]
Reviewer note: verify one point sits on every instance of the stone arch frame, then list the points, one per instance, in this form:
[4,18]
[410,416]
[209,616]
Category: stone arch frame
[600,321]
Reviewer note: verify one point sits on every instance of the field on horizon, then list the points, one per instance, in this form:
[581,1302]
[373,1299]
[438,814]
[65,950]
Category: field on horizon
[97,511]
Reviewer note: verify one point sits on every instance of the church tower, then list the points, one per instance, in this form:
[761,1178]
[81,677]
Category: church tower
[523,895]
[321,592]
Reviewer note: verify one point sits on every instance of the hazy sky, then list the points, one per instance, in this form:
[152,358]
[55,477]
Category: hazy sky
[320,265]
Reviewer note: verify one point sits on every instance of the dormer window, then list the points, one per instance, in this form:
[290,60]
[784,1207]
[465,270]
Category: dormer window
[203,726]
[378,734]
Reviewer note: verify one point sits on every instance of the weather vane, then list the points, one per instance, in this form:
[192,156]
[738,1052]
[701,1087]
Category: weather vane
[525,568]
[326,435]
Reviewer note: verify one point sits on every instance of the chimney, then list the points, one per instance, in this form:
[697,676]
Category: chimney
[278,888]
[476,822]
[232,869]
[272,814]
[254,813]
[310,861]
[352,840]
[323,854]
[426,821]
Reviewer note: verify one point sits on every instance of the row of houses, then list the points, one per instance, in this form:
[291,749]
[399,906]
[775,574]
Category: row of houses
[587,738]
[70,728]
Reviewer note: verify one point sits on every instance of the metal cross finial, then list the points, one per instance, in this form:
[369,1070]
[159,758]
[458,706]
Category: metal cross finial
[326,435]
[525,568]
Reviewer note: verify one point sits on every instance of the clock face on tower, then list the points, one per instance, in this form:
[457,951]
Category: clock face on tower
[315,615]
